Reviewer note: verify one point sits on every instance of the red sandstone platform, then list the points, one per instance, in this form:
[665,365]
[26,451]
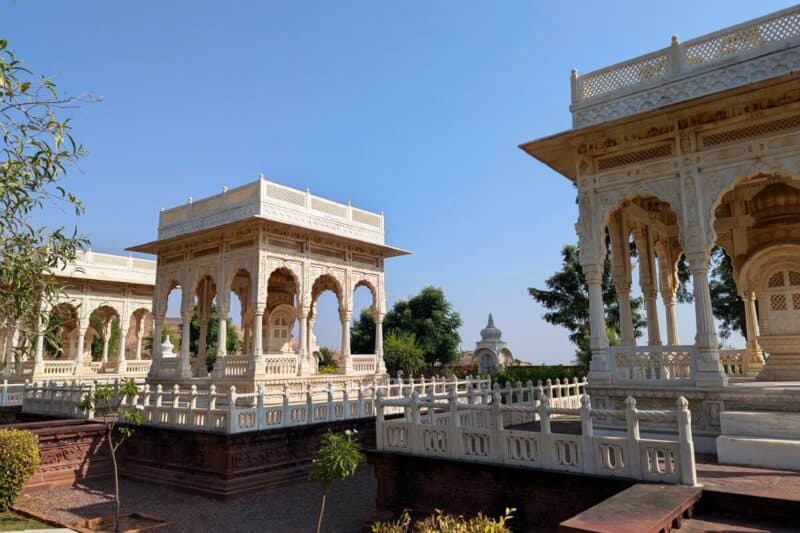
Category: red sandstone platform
[747,480]
[643,508]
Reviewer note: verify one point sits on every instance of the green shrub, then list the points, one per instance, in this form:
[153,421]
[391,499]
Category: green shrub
[445,523]
[512,374]
[19,459]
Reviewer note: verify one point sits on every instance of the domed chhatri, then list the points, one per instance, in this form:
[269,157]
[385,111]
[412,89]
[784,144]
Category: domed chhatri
[491,352]
[490,332]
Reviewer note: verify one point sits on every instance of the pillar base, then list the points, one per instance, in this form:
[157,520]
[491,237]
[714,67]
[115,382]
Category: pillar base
[599,373]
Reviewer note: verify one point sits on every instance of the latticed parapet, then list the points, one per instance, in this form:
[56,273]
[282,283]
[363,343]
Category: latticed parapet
[272,201]
[749,52]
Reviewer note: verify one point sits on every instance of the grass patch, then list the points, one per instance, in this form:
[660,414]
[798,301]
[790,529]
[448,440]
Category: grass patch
[11,521]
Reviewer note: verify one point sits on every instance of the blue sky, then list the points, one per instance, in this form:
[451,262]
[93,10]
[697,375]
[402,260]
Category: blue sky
[414,108]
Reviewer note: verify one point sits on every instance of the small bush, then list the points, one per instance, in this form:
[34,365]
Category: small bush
[512,374]
[19,459]
[445,523]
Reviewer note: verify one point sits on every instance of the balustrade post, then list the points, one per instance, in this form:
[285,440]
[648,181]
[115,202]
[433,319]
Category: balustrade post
[545,444]
[146,396]
[632,423]
[497,433]
[454,427]
[176,398]
[261,414]
[431,411]
[414,429]
[309,404]
[587,435]
[379,436]
[159,397]
[688,468]
[233,423]
[193,398]
[90,411]
[360,391]
[331,415]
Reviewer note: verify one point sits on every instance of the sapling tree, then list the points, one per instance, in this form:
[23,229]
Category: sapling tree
[337,458]
[110,405]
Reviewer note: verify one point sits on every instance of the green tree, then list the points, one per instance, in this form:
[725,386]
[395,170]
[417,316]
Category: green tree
[401,352]
[108,404]
[362,333]
[337,458]
[37,150]
[430,318]
[726,304]
[232,342]
[566,300]
[99,338]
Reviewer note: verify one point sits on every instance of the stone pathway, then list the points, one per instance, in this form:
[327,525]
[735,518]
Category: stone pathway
[288,509]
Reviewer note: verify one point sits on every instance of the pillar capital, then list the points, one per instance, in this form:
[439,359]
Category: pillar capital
[593,273]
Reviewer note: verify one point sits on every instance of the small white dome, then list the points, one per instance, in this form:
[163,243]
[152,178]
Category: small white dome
[491,333]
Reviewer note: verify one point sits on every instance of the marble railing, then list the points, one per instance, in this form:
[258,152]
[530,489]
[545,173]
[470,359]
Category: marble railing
[732,362]
[232,412]
[661,365]
[11,393]
[52,369]
[280,365]
[363,364]
[451,429]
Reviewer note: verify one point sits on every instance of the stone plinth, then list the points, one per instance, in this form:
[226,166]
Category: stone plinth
[542,499]
[223,466]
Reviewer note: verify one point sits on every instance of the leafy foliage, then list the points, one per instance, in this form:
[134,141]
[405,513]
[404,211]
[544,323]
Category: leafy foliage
[19,459]
[37,149]
[362,333]
[566,300]
[232,342]
[433,322]
[428,316]
[513,374]
[726,304]
[337,458]
[107,402]
[328,364]
[401,352]
[440,522]
[99,338]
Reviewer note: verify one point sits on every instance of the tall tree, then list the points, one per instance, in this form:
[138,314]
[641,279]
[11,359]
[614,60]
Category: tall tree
[428,317]
[37,149]
[362,334]
[232,341]
[726,304]
[566,299]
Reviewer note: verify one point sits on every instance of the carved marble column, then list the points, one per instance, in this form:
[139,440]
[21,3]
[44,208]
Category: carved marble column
[12,338]
[621,271]
[599,368]
[121,359]
[106,339]
[709,371]
[380,364]
[647,277]
[302,364]
[258,330]
[139,336]
[346,315]
[158,321]
[668,283]
[185,362]
[754,357]
[83,327]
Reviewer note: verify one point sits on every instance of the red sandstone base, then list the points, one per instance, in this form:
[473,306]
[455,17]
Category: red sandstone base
[542,499]
[222,466]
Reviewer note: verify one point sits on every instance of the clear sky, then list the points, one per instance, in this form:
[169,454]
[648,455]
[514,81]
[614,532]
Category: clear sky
[414,108]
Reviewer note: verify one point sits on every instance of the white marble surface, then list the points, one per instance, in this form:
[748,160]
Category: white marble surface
[765,424]
[768,453]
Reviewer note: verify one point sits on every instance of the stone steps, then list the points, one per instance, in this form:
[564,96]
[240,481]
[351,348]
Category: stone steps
[760,438]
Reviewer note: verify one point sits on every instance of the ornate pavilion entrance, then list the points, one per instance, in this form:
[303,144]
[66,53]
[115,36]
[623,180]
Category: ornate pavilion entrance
[693,146]
[277,250]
